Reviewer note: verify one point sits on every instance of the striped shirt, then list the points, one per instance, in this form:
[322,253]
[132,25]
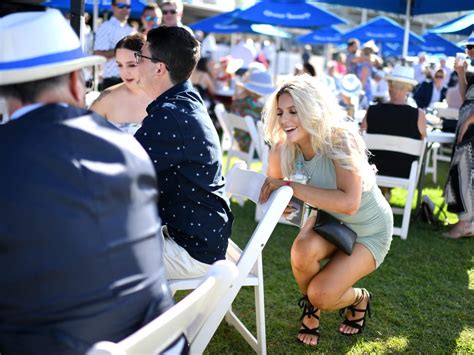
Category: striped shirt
[107,36]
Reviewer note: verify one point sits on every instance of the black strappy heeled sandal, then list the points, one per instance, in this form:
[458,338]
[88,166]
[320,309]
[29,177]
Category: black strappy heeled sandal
[353,322]
[308,311]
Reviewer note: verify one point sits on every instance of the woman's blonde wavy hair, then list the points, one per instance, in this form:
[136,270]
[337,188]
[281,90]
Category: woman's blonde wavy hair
[322,117]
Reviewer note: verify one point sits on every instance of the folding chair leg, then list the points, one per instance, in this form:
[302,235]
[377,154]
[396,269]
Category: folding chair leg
[260,311]
[407,209]
[259,343]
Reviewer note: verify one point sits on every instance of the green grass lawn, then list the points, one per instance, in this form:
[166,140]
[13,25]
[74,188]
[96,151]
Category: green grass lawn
[423,294]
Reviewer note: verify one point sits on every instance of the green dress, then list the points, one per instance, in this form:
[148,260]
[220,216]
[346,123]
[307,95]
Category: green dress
[373,222]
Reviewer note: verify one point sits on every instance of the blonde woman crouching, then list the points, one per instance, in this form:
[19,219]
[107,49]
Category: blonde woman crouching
[303,123]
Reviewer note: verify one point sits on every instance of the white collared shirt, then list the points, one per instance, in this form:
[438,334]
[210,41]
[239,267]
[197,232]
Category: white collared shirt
[28,108]
[106,38]
[24,110]
[435,95]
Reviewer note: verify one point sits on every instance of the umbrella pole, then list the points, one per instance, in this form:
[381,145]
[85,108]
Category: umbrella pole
[277,60]
[77,15]
[407,29]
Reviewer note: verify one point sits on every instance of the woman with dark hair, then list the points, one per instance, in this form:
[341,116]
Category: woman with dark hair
[125,104]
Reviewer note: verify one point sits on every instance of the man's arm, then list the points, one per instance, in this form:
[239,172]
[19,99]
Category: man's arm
[461,70]
[102,45]
[162,140]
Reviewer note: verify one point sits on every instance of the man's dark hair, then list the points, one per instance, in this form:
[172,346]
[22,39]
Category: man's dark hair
[353,41]
[133,42]
[176,48]
[152,6]
[29,92]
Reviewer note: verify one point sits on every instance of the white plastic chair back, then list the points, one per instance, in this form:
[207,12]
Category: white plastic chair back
[405,145]
[220,112]
[246,124]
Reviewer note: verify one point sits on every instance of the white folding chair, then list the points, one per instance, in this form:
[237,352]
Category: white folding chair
[187,316]
[405,145]
[440,151]
[245,183]
[220,112]
[245,124]
[263,150]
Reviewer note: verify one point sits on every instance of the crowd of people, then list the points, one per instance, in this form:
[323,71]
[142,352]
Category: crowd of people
[130,193]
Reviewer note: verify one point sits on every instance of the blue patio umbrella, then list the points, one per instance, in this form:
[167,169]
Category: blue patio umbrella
[323,35]
[381,29]
[407,7]
[103,5]
[226,23]
[395,49]
[435,44]
[463,25]
[289,13]
[416,7]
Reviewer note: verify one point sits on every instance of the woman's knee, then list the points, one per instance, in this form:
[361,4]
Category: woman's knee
[323,297]
[308,248]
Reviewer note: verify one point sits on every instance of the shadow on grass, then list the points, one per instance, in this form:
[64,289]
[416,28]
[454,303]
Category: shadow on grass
[422,300]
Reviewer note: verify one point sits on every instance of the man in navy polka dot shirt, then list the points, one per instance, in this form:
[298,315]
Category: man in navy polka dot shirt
[184,147]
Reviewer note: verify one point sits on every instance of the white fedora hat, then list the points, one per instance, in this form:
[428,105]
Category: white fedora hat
[402,74]
[39,45]
[259,82]
[351,86]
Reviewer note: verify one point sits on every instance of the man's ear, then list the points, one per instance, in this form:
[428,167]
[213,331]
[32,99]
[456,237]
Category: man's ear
[77,88]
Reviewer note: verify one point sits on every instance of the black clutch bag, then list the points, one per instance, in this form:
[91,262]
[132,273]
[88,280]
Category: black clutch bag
[335,232]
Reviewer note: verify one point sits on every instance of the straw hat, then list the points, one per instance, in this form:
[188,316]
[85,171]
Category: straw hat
[371,45]
[470,39]
[351,86]
[259,82]
[402,74]
[231,64]
[39,45]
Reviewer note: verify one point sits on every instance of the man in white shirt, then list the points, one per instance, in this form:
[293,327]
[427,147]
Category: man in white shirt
[172,13]
[447,70]
[107,36]
[420,68]
[380,87]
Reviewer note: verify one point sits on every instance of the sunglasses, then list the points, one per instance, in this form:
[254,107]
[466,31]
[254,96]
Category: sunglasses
[469,47]
[439,77]
[151,18]
[172,12]
[123,6]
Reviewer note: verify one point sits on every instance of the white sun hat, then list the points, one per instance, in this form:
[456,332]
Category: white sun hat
[39,45]
[402,74]
[259,82]
[351,86]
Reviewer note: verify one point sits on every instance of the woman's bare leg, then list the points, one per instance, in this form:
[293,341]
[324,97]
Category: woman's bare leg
[332,287]
[307,252]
